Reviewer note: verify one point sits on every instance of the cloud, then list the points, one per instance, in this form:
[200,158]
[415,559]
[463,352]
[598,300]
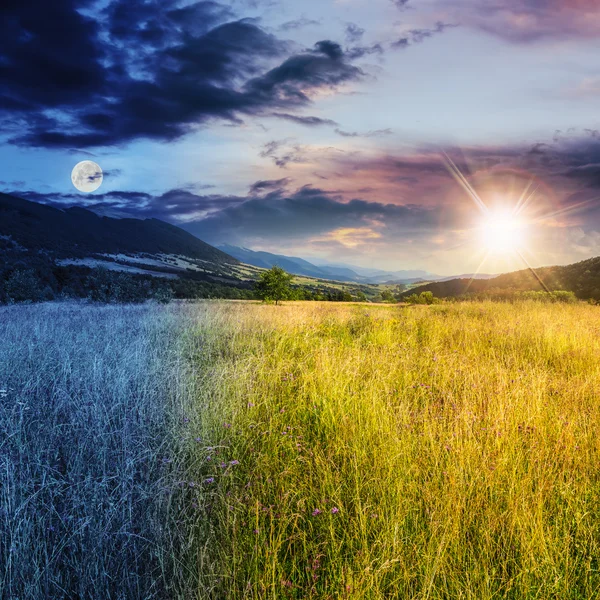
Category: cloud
[417,36]
[175,205]
[260,187]
[588,87]
[525,21]
[298,24]
[391,207]
[308,121]
[148,69]
[372,133]
[354,33]
[306,214]
[360,51]
[282,153]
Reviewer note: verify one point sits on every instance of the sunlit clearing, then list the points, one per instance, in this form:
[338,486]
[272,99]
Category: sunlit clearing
[502,232]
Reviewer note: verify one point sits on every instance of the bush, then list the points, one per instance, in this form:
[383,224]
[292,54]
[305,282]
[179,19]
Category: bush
[422,298]
[23,286]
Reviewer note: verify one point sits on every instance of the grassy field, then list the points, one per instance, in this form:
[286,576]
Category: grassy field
[430,452]
[91,398]
[227,450]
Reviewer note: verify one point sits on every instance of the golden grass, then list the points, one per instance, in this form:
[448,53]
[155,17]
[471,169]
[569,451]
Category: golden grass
[449,451]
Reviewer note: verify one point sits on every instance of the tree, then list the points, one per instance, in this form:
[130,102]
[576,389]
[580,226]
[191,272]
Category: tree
[274,285]
[387,296]
[23,286]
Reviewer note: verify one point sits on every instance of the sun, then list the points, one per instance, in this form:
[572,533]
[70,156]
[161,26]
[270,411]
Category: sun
[502,232]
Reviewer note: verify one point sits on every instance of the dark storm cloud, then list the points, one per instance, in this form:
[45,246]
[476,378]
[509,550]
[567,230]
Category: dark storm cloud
[49,56]
[147,69]
[384,198]
[170,206]
[324,67]
[308,121]
[307,213]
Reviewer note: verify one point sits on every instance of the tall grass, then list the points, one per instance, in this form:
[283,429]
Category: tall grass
[91,403]
[449,451]
[235,450]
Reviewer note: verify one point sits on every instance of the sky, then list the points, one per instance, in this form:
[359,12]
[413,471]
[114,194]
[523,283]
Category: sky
[399,134]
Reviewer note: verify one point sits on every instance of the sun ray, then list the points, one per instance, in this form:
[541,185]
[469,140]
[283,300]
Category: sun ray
[568,209]
[462,181]
[524,202]
[533,271]
[474,275]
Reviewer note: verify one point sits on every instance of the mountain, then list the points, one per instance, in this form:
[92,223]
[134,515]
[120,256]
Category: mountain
[466,276]
[80,232]
[582,278]
[336,272]
[380,275]
[292,264]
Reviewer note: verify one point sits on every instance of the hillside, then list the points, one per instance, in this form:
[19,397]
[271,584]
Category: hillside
[297,266]
[582,278]
[320,269]
[80,232]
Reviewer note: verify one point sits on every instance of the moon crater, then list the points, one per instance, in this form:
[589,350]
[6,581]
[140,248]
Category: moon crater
[87,176]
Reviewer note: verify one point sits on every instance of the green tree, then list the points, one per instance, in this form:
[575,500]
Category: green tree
[387,296]
[23,286]
[427,297]
[274,285]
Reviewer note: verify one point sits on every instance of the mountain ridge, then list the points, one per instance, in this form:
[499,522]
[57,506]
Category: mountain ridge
[581,278]
[336,272]
[76,231]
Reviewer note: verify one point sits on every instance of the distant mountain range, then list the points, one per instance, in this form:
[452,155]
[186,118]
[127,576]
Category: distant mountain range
[321,269]
[77,232]
[43,238]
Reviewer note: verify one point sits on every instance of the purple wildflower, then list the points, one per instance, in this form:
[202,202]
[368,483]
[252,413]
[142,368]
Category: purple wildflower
[234,462]
[209,480]
[316,512]
[335,510]
[227,425]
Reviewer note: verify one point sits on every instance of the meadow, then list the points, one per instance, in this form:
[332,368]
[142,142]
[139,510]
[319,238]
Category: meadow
[227,450]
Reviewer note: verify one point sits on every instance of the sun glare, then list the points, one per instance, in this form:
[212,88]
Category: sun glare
[502,232]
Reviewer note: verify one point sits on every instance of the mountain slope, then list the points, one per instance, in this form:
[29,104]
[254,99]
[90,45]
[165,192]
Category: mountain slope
[297,266]
[582,278]
[323,270]
[79,232]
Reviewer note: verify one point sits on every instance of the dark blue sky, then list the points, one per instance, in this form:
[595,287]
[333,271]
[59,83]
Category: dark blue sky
[314,128]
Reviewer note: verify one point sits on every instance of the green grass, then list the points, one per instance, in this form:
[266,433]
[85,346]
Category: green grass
[429,452]
[233,450]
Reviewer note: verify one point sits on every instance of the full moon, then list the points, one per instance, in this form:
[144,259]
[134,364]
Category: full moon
[87,176]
